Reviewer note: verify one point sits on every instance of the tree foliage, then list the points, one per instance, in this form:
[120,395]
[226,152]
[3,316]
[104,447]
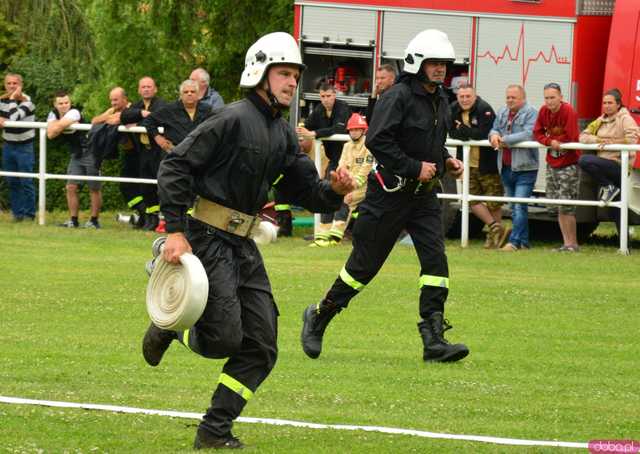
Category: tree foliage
[89,46]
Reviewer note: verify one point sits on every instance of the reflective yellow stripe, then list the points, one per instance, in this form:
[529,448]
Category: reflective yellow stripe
[351,282]
[133,202]
[235,386]
[433,281]
[336,233]
[277,180]
[153,209]
[354,215]
[282,207]
[361,180]
[190,211]
[185,338]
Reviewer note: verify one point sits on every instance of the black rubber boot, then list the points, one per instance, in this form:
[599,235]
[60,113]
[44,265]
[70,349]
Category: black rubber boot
[285,223]
[151,222]
[156,341]
[206,440]
[436,347]
[315,319]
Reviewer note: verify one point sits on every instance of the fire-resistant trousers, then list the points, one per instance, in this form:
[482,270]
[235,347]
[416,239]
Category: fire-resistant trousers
[150,159]
[382,217]
[239,321]
[131,192]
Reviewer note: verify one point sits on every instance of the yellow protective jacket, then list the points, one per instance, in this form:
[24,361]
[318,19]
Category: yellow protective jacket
[358,160]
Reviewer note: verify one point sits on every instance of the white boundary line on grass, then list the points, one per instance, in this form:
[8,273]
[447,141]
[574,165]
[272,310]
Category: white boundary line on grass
[309,425]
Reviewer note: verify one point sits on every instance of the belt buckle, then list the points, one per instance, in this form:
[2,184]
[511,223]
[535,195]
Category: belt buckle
[235,222]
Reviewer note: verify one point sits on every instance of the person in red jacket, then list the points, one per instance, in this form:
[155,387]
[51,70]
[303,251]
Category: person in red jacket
[557,123]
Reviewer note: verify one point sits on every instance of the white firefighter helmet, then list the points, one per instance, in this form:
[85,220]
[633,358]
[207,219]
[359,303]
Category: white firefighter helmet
[428,45]
[272,49]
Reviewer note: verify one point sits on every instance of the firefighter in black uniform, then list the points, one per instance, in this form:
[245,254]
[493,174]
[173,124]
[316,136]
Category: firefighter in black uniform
[407,137]
[143,161]
[231,161]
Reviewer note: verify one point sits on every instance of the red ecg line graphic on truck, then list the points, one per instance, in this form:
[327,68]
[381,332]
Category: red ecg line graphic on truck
[525,62]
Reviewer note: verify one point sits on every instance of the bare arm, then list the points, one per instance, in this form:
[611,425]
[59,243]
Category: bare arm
[103,117]
[55,127]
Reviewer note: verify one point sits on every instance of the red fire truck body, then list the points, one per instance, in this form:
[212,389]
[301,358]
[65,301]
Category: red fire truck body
[586,46]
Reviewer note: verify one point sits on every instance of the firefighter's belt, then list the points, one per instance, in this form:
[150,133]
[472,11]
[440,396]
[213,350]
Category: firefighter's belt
[224,218]
[177,294]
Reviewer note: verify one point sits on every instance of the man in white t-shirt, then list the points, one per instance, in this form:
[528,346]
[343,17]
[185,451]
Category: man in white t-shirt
[81,163]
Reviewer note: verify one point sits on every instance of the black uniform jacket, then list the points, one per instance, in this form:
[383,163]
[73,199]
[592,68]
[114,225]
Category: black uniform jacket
[481,117]
[327,126]
[133,114]
[175,120]
[409,125]
[234,158]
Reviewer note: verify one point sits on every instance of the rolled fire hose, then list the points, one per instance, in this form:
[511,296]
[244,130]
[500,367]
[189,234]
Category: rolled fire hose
[177,294]
[265,233]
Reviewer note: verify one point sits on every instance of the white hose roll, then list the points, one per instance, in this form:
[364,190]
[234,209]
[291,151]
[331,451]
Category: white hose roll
[265,233]
[177,294]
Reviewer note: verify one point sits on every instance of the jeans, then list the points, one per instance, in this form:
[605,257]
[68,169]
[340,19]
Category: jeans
[519,184]
[19,157]
[603,171]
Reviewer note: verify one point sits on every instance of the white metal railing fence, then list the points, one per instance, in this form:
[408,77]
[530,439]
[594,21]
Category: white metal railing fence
[464,197]
[42,174]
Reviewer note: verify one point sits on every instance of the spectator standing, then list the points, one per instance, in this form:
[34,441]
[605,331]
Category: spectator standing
[518,166]
[17,151]
[557,123]
[230,162]
[327,118]
[206,93]
[407,137]
[385,78]
[143,161]
[178,119]
[81,162]
[357,159]
[615,125]
[112,117]
[472,120]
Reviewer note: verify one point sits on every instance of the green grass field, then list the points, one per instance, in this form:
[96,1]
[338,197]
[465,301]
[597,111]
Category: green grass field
[553,339]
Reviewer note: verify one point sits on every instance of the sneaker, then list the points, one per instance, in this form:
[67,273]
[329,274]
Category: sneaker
[509,247]
[92,225]
[324,243]
[608,193]
[569,248]
[206,440]
[69,224]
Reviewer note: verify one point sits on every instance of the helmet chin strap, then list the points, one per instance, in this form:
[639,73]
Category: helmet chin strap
[273,101]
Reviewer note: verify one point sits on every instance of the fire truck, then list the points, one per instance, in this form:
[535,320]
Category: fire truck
[586,46]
